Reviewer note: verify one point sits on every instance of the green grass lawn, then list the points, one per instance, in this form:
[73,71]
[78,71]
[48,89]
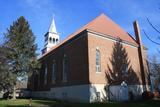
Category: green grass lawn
[50,103]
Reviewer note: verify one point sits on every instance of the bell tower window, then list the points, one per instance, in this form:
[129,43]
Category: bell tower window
[56,40]
[50,39]
[53,40]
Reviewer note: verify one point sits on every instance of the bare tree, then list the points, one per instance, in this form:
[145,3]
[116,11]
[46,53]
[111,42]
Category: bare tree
[155,29]
[154,66]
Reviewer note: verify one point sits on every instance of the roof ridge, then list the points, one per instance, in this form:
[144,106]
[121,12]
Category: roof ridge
[117,32]
[120,27]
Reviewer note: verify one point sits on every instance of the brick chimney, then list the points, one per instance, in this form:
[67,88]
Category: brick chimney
[140,50]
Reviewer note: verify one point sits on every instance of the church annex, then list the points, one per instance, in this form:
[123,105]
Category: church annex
[81,67]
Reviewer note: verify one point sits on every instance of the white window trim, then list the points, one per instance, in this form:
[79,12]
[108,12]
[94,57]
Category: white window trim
[98,96]
[98,66]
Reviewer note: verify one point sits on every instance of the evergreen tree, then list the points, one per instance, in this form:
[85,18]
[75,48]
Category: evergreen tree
[7,78]
[20,41]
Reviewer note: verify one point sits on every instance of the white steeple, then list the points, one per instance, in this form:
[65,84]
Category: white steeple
[51,37]
[53,26]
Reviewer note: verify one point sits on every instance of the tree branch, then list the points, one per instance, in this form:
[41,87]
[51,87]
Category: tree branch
[153,26]
[150,38]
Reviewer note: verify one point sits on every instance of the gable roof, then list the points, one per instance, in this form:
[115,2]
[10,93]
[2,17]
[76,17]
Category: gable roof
[101,24]
[105,25]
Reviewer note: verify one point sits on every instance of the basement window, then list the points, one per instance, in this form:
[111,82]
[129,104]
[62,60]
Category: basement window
[98,96]
[64,95]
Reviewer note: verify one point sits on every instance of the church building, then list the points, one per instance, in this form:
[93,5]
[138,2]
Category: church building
[83,67]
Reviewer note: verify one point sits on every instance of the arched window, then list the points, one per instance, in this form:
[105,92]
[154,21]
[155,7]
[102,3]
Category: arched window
[56,40]
[98,61]
[45,74]
[50,39]
[65,68]
[54,71]
[53,40]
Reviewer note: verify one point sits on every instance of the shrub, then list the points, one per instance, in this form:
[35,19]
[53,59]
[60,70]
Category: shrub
[7,95]
[147,95]
[156,94]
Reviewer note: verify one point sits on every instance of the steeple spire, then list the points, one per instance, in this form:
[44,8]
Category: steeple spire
[51,37]
[52,28]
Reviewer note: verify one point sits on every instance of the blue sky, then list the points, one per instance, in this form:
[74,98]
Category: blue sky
[70,15]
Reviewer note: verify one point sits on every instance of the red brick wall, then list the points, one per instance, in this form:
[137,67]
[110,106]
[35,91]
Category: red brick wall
[77,54]
[81,56]
[106,47]
[146,69]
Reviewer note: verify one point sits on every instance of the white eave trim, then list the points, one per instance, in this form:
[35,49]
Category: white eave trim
[104,36]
